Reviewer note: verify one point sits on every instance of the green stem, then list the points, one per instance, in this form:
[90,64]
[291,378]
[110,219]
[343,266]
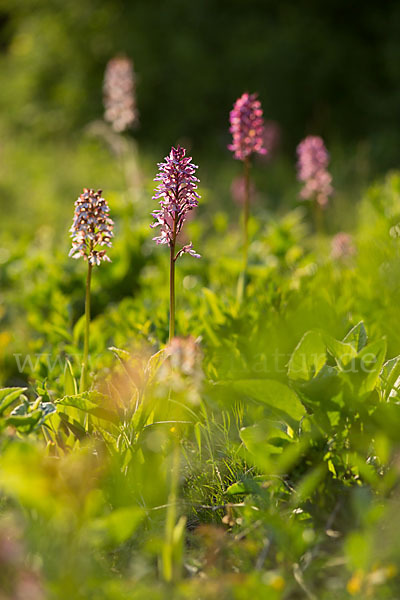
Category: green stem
[246,211]
[172,284]
[172,293]
[318,217]
[170,521]
[84,374]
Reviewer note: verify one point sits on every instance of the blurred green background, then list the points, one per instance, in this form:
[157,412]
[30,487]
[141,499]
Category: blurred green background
[330,68]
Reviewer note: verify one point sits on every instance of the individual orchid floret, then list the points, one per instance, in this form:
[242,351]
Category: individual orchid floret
[92,227]
[188,249]
[119,94]
[313,160]
[177,196]
[247,127]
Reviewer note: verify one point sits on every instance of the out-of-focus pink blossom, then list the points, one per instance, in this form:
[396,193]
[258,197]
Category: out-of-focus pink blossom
[271,139]
[119,94]
[313,160]
[247,127]
[342,246]
[238,190]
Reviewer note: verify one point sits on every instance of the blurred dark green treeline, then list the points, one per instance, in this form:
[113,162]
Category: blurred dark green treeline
[330,68]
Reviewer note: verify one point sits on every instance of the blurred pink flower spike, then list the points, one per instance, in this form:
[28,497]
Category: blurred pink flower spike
[119,94]
[247,127]
[313,160]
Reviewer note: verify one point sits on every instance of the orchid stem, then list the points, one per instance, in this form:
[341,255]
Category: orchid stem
[172,292]
[246,211]
[84,373]
[318,218]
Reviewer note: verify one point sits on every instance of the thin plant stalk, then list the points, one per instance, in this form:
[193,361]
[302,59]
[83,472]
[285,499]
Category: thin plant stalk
[318,217]
[241,285]
[246,210]
[84,373]
[172,286]
[170,521]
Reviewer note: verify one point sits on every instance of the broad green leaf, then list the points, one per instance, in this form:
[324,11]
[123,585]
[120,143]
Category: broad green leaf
[154,363]
[281,401]
[90,402]
[118,526]
[308,357]
[321,388]
[25,423]
[389,376]
[357,337]
[8,396]
[372,358]
[342,352]
[27,416]
[85,401]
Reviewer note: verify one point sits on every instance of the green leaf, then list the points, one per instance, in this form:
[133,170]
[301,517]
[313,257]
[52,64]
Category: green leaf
[278,398]
[118,526]
[92,403]
[213,302]
[247,486]
[308,357]
[8,396]
[372,358]
[389,376]
[342,352]
[85,401]
[357,337]
[261,443]
[309,483]
[197,433]
[25,423]
[321,388]
[70,387]
[74,426]
[78,330]
[154,363]
[121,354]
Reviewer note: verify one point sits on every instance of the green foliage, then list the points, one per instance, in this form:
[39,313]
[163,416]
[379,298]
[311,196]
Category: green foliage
[261,463]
